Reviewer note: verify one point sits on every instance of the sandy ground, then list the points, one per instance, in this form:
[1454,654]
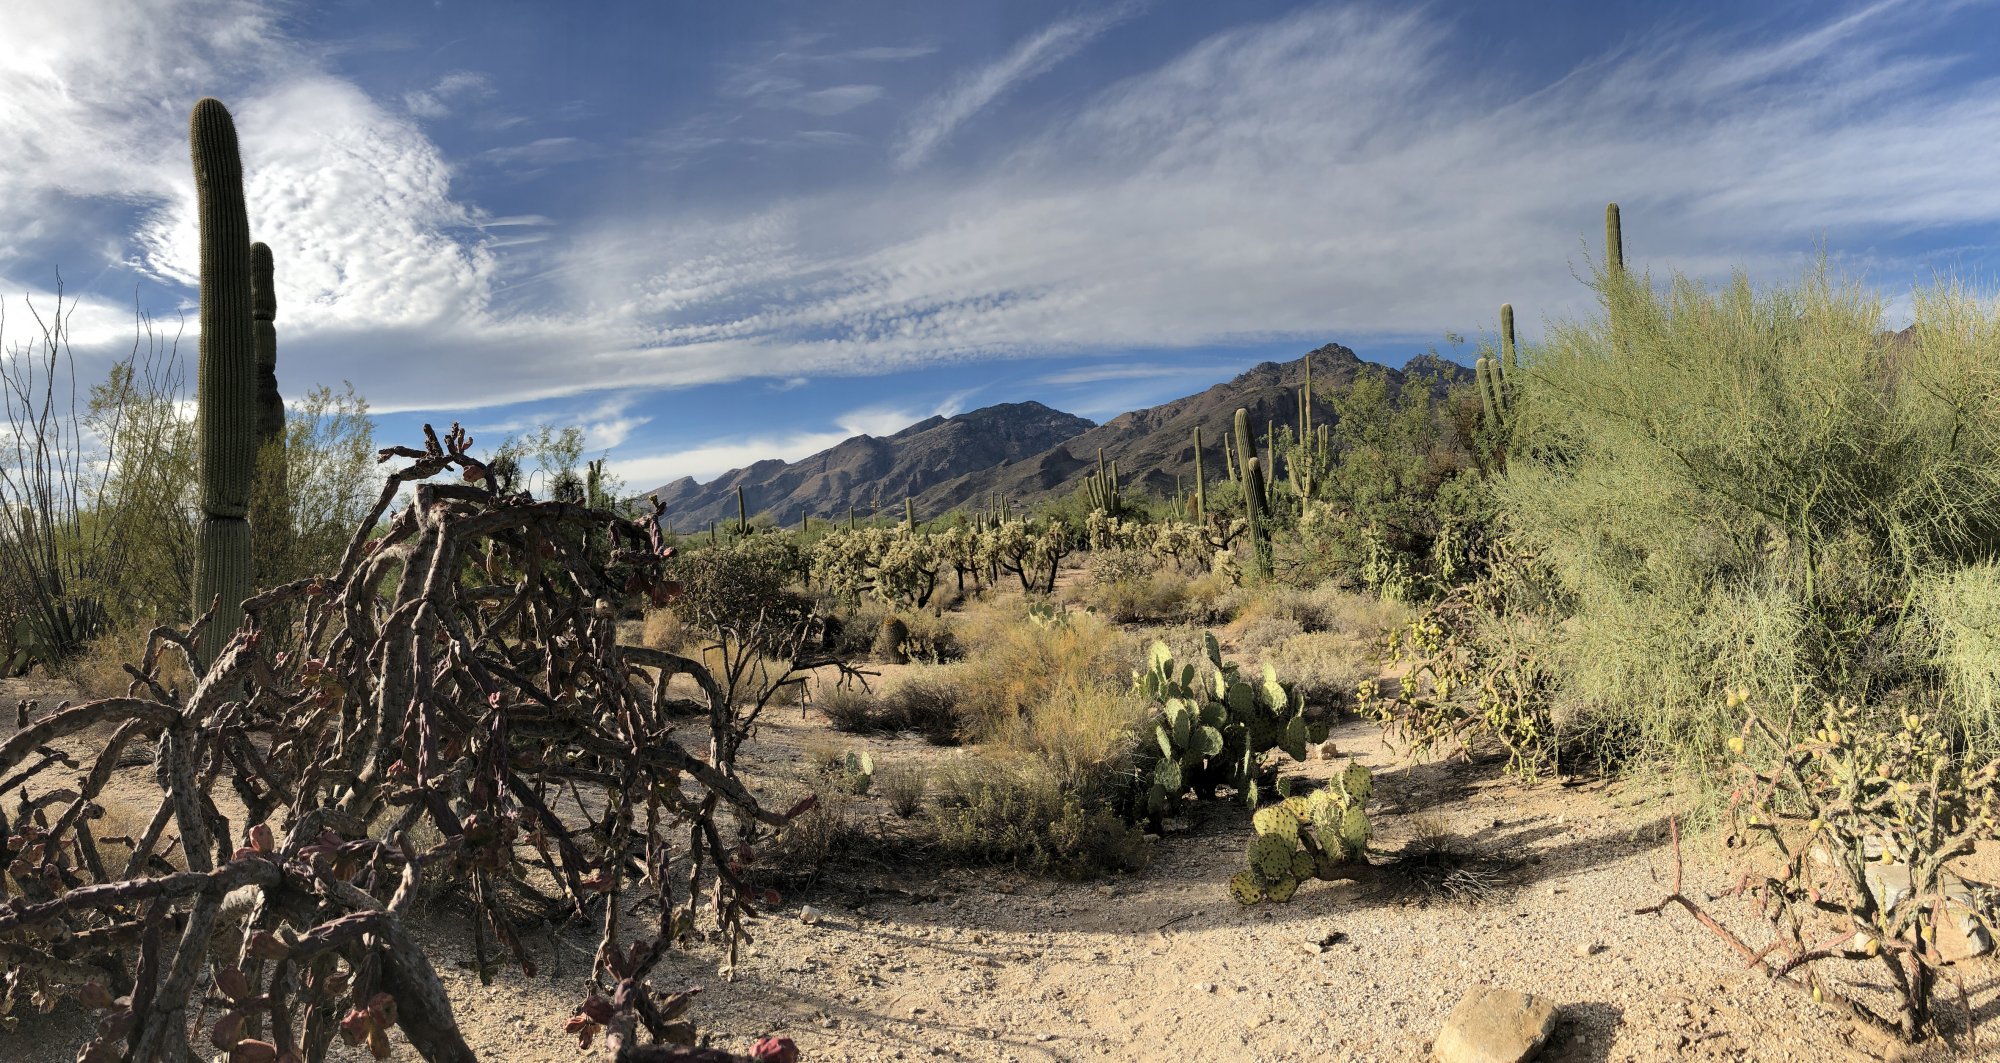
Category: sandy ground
[988,964]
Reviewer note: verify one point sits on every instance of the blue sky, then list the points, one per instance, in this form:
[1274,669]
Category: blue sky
[711,233]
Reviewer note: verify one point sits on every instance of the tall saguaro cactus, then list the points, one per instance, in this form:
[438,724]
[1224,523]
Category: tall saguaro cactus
[270,524]
[1614,240]
[1253,493]
[226,381]
[1200,483]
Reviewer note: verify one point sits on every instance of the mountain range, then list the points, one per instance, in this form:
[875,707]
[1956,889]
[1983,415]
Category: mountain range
[1025,451]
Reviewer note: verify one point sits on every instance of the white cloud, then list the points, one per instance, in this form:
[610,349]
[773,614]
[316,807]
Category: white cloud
[709,460]
[836,100]
[436,101]
[970,94]
[1326,176]
[1092,374]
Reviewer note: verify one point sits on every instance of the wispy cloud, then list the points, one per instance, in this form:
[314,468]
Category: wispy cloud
[1092,374]
[709,460]
[937,120]
[437,101]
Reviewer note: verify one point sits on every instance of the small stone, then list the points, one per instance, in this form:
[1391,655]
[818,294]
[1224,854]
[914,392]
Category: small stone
[1045,1036]
[809,915]
[1589,950]
[1492,1025]
[1205,987]
[1311,948]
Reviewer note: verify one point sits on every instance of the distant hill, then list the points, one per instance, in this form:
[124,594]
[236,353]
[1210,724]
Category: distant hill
[1154,447]
[1027,452]
[871,472]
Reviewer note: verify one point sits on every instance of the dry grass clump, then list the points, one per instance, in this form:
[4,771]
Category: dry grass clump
[902,786]
[1210,598]
[812,840]
[1017,665]
[924,701]
[1322,667]
[1084,735]
[1020,813]
[1126,586]
[99,671]
[662,630]
[1261,633]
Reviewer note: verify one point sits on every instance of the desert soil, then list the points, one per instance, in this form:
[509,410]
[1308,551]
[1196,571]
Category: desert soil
[910,962]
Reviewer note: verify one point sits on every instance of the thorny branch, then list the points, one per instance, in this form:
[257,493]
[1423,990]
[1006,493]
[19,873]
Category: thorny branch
[460,671]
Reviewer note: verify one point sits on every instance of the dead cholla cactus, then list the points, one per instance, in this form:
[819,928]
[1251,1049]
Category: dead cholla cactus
[1865,813]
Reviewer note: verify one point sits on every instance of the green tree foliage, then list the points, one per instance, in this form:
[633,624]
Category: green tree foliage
[1743,486]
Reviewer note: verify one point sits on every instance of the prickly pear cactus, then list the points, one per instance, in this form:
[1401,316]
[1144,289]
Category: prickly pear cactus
[1212,729]
[1309,836]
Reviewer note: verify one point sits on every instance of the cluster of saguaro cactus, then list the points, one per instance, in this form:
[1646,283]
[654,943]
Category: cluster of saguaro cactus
[1101,487]
[1304,837]
[1212,729]
[1311,455]
[227,378]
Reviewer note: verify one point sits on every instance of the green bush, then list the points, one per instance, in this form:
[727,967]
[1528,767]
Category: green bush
[1020,813]
[1733,483]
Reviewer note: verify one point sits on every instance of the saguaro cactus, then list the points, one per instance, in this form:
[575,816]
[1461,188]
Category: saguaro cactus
[1614,240]
[909,513]
[270,523]
[226,380]
[1253,493]
[1253,512]
[1200,484]
[742,513]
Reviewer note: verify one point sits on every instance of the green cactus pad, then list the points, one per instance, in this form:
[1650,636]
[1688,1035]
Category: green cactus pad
[1211,648]
[1274,691]
[1355,830]
[1246,889]
[1167,775]
[1276,820]
[1294,741]
[1271,855]
[1281,890]
[1302,864]
[1205,742]
[1166,739]
[1358,783]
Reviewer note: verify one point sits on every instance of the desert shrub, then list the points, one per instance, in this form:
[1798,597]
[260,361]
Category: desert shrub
[1016,665]
[99,671]
[848,708]
[1119,566]
[931,638]
[1154,596]
[814,838]
[1261,633]
[1019,813]
[923,702]
[1735,484]
[1322,667]
[902,786]
[742,586]
[1209,598]
[1083,734]
[663,630]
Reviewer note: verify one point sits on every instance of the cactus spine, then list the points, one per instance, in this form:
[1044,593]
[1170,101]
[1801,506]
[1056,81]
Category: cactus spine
[226,381]
[1200,485]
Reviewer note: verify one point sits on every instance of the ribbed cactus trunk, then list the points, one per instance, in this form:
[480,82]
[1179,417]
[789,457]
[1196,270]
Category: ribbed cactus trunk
[1507,342]
[1200,484]
[909,513]
[1253,493]
[1614,270]
[1253,513]
[742,512]
[1488,392]
[226,380]
[270,499]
